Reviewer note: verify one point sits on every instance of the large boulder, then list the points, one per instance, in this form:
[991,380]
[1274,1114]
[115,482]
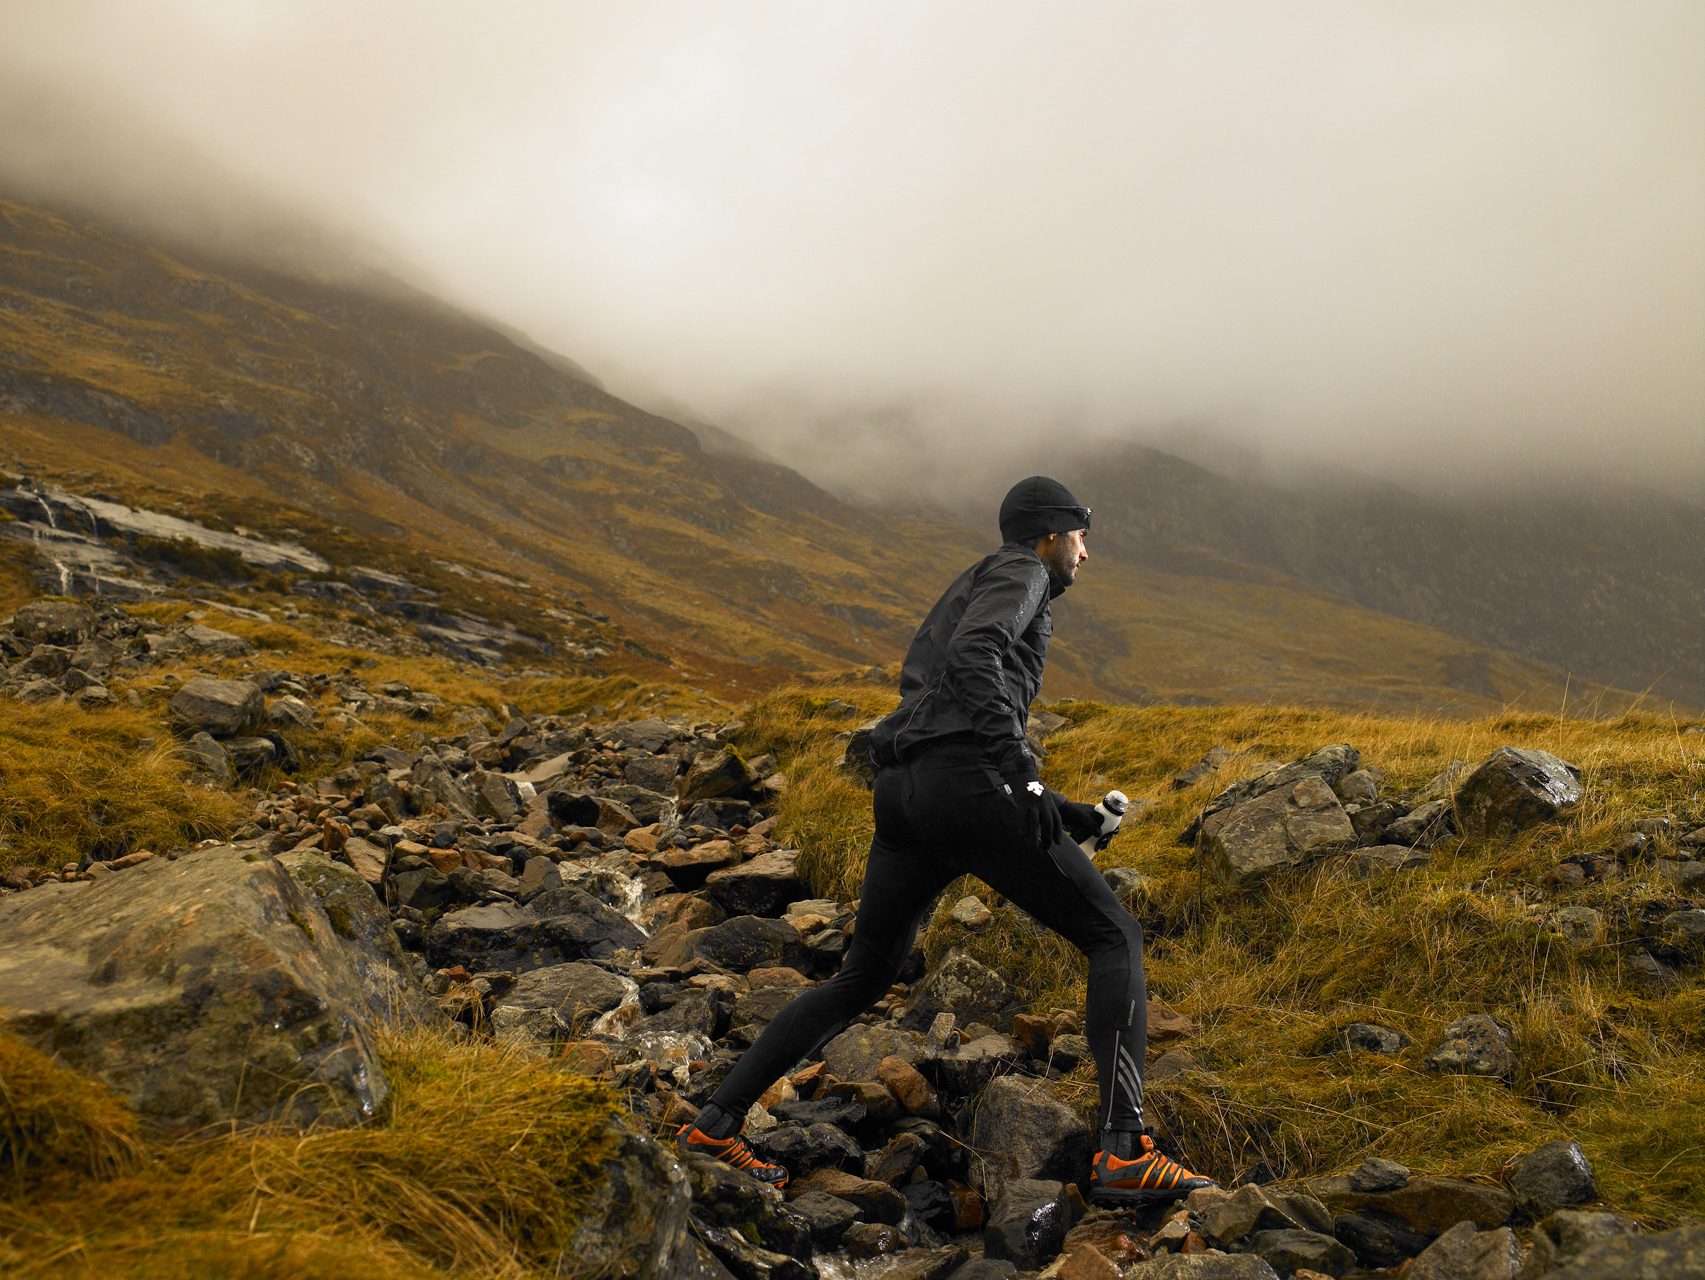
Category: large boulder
[572,926]
[1021,1131]
[1330,764]
[557,1002]
[762,887]
[1513,789]
[1028,1224]
[964,987]
[390,976]
[1283,828]
[636,1223]
[1555,1176]
[205,990]
[1464,1253]
[224,708]
[63,622]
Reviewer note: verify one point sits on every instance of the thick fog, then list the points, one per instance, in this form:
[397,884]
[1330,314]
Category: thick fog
[898,243]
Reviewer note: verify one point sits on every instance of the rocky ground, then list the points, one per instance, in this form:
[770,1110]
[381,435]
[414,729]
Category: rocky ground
[613,894]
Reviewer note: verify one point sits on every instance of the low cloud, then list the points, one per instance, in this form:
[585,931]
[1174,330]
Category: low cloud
[899,245]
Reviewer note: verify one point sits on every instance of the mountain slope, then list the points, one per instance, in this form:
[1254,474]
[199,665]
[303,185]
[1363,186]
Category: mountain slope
[388,429]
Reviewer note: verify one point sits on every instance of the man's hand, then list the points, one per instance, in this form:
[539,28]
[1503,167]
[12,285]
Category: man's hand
[1036,809]
[1081,820]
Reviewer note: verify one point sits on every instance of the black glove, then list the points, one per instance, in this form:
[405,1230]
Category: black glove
[1041,820]
[1081,820]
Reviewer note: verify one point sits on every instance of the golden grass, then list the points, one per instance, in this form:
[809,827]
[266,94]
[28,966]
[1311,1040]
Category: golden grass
[104,782]
[483,1167]
[55,1126]
[1269,970]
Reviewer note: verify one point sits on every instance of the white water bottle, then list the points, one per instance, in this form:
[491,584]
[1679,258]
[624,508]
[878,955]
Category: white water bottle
[1112,809]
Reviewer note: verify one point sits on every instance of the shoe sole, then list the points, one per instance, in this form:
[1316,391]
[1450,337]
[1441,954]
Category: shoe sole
[683,1149]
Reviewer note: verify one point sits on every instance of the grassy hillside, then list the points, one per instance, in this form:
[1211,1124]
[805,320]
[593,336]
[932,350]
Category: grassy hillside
[390,430]
[1267,972]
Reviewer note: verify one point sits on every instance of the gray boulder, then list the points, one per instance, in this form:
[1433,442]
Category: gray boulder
[1426,1207]
[636,1223]
[962,986]
[1464,1253]
[1513,789]
[1383,859]
[1283,828]
[858,1051]
[1555,1176]
[557,1002]
[762,887]
[1021,1131]
[1292,1250]
[207,990]
[1329,764]
[431,783]
[204,754]
[211,640]
[224,708]
[1379,1175]
[1422,826]
[1477,1045]
[1028,1224]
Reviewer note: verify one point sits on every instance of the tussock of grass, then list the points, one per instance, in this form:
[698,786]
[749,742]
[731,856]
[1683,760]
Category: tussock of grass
[1268,971]
[55,1124]
[483,1168]
[76,782]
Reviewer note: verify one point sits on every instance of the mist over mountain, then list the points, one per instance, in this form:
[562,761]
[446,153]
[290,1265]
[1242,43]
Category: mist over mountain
[892,244]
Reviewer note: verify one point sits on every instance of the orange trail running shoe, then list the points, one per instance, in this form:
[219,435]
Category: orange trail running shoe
[1146,1178]
[733,1150]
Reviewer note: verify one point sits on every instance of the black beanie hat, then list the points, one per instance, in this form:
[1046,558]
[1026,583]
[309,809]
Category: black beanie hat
[1039,505]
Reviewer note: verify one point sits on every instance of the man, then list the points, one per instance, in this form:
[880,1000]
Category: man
[957,792]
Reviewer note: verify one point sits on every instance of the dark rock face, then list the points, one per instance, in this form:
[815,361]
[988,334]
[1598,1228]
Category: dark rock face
[762,887]
[1029,1223]
[637,1224]
[1292,1250]
[556,1002]
[1427,1207]
[1555,1176]
[1513,789]
[1679,1253]
[204,990]
[1021,1132]
[1566,1234]
[970,991]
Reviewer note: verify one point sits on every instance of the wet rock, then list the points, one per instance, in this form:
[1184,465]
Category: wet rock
[1555,1176]
[739,944]
[1377,1241]
[826,1216]
[1282,828]
[962,986]
[653,773]
[1028,1224]
[726,1197]
[389,976]
[221,707]
[556,1002]
[1021,1132]
[762,887]
[636,1223]
[984,1269]
[908,1086]
[1230,1216]
[877,1201]
[1462,1253]
[1513,789]
[1565,1235]
[936,1264]
[203,990]
[1289,1251]
[804,1148]
[1422,826]
[1202,1266]
[1476,1045]
[690,867]
[505,936]
[872,1240]
[1379,1175]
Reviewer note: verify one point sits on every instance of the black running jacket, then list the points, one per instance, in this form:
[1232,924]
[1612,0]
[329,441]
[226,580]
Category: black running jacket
[976,663]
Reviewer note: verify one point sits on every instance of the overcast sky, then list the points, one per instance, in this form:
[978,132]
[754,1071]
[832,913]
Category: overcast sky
[1434,239]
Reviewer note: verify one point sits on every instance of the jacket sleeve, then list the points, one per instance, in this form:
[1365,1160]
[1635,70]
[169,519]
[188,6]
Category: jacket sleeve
[1002,605]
